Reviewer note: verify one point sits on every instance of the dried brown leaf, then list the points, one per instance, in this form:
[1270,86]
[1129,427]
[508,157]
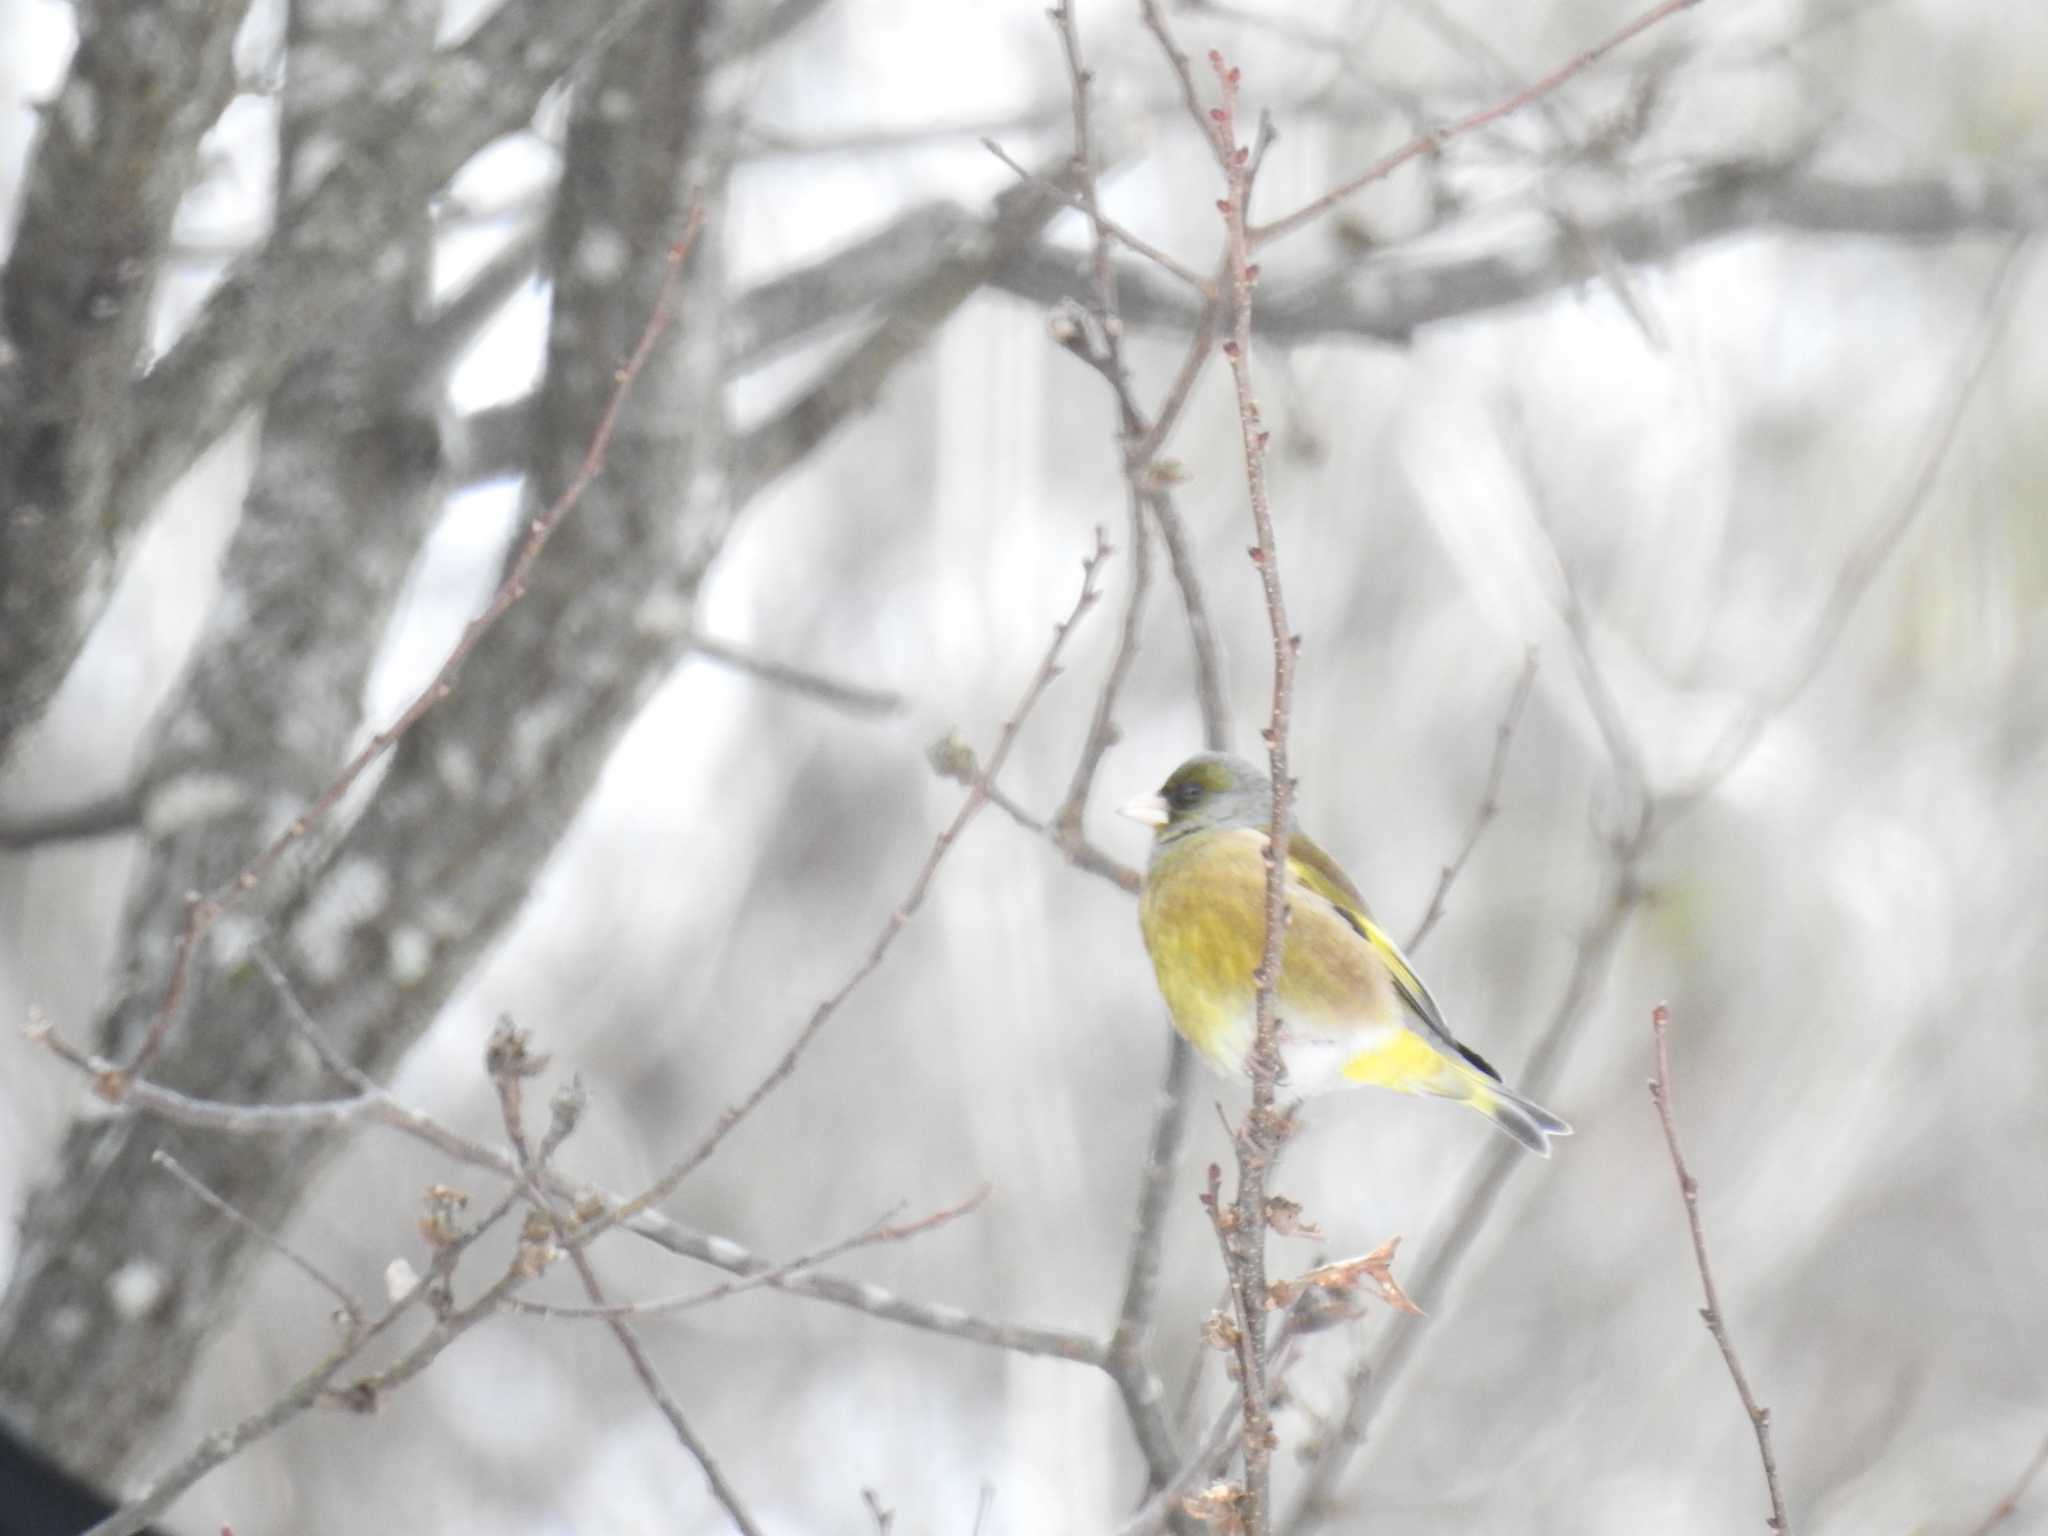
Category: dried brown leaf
[1284,1216]
[1220,1505]
[1348,1274]
[1219,1331]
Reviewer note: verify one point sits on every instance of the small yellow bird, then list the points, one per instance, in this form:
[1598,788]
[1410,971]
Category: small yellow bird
[1352,1010]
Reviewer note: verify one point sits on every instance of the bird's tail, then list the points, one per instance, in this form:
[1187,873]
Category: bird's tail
[1524,1119]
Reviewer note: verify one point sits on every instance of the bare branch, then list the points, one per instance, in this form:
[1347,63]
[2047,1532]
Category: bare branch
[772,449]
[1109,227]
[510,1062]
[277,304]
[448,333]
[855,697]
[1759,1416]
[350,1309]
[115,152]
[1373,1373]
[316,1386]
[1242,1233]
[1489,801]
[977,796]
[1875,551]
[107,816]
[886,1230]
[1431,142]
[1393,292]
[951,758]
[210,908]
[376,1106]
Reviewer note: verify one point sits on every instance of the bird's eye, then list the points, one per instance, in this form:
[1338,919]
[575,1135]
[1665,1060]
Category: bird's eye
[1184,795]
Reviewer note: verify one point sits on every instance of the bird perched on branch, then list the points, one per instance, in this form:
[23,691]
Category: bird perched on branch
[1352,1011]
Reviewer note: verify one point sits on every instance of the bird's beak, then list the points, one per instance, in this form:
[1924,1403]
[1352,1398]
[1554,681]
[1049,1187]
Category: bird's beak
[1150,809]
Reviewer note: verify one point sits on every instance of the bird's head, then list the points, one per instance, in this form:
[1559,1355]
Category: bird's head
[1210,791]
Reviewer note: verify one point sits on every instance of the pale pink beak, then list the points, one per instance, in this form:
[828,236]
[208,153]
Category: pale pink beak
[1150,809]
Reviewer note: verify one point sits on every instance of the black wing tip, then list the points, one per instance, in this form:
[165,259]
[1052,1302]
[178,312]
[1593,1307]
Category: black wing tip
[1474,1059]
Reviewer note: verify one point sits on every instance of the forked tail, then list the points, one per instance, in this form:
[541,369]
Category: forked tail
[1524,1119]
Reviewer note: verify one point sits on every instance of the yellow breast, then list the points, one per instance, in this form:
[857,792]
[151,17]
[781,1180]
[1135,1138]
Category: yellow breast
[1203,917]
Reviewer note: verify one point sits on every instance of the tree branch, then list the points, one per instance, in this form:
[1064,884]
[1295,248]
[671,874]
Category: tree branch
[1688,1187]
[977,796]
[107,816]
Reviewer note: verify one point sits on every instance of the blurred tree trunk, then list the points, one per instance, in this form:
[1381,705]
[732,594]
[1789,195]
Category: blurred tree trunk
[116,151]
[414,892]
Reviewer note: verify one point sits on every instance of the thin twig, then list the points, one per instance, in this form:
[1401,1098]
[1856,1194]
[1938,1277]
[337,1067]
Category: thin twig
[1158,1511]
[1102,349]
[1243,1236]
[510,1063]
[1434,140]
[1137,243]
[1875,551]
[977,796]
[886,1230]
[1147,493]
[853,696]
[1688,1186]
[378,1107]
[1259,1136]
[951,758]
[208,909]
[1373,1373]
[1489,802]
[1997,1514]
[350,1310]
[315,1386]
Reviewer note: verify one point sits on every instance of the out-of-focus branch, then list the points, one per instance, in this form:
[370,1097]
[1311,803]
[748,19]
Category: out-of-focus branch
[1094,334]
[1435,139]
[1489,802]
[757,27]
[104,817]
[772,449]
[857,698]
[881,268]
[1717,1325]
[1390,294]
[1096,337]
[1871,555]
[209,909]
[899,917]
[439,342]
[116,151]
[1374,1372]
[284,299]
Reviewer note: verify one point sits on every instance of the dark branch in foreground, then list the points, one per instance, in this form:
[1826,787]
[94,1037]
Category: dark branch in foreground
[1688,1187]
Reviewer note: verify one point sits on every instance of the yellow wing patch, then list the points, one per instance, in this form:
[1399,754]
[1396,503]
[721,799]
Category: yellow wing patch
[1407,1063]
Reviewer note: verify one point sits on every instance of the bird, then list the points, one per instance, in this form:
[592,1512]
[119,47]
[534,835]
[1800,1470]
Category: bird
[1352,1011]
